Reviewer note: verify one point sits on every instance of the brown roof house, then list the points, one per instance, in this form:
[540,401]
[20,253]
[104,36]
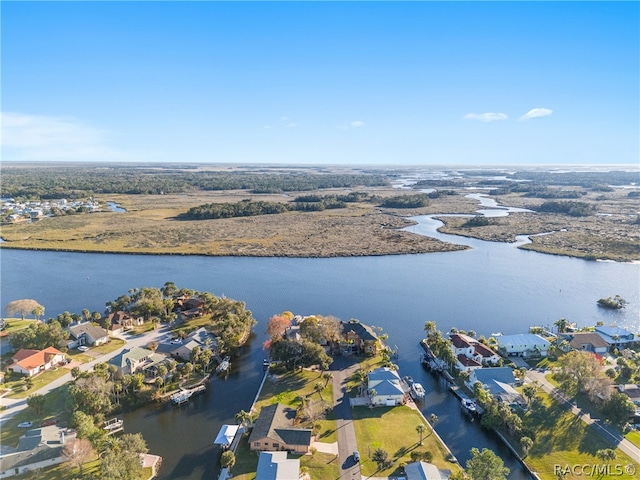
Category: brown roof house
[360,336]
[274,431]
[589,342]
[32,362]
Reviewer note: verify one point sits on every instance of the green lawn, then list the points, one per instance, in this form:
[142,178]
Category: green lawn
[112,345]
[15,324]
[634,437]
[39,381]
[54,407]
[394,430]
[561,438]
[286,388]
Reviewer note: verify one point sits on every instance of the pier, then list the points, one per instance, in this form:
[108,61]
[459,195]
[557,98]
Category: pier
[113,426]
[184,395]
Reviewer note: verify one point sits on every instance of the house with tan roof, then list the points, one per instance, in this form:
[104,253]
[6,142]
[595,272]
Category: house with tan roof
[32,362]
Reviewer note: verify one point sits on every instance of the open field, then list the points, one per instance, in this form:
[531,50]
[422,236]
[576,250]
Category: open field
[561,438]
[150,226]
[372,427]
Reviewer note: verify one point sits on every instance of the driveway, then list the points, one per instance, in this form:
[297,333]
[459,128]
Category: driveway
[342,368]
[13,406]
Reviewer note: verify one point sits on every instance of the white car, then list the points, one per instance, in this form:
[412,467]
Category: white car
[83,348]
[176,341]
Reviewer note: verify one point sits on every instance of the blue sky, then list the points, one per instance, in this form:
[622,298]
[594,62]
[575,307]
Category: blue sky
[336,82]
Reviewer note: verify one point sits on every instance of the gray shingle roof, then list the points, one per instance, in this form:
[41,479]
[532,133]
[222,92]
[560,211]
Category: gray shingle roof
[275,421]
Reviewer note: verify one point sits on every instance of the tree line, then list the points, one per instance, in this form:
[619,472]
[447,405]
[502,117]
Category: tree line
[79,181]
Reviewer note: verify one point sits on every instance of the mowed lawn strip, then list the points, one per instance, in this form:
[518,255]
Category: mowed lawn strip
[393,429]
[561,438]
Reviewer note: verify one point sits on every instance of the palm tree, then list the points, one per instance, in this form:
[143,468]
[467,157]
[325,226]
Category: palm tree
[562,325]
[526,443]
[429,327]
[243,418]
[318,387]
[327,376]
[420,429]
[38,312]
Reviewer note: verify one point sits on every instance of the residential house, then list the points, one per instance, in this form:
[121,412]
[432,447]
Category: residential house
[276,466]
[385,387]
[425,471]
[523,345]
[201,338]
[86,334]
[190,307]
[38,448]
[587,341]
[466,364]
[499,382]
[616,336]
[123,320]
[632,391]
[136,359]
[473,349]
[360,336]
[274,431]
[32,362]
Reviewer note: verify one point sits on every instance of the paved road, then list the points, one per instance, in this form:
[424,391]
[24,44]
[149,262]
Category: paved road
[342,368]
[607,432]
[16,405]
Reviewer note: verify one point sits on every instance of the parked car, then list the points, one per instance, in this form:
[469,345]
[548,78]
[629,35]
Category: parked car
[356,456]
[176,341]
[25,424]
[83,348]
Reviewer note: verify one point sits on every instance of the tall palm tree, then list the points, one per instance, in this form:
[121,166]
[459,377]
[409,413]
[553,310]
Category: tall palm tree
[420,429]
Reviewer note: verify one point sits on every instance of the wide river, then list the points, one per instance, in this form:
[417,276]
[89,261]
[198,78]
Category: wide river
[490,288]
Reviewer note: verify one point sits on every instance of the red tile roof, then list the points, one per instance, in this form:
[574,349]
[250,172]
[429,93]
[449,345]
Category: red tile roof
[459,342]
[30,359]
[468,362]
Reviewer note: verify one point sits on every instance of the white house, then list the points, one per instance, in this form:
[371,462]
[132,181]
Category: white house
[32,362]
[472,348]
[425,471]
[498,382]
[524,345]
[87,334]
[385,384]
[466,364]
[38,448]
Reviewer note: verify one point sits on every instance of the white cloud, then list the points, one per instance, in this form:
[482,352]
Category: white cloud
[486,117]
[347,126]
[292,125]
[43,137]
[536,113]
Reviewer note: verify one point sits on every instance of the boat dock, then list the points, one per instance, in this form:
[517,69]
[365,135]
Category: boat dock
[113,426]
[224,365]
[184,395]
[466,403]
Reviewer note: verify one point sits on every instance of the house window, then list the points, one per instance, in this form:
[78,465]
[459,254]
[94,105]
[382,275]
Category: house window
[276,445]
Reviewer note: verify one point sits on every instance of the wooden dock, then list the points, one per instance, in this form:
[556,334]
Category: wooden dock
[184,395]
[113,426]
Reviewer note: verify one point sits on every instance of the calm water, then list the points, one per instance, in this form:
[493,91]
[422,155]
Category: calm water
[492,287]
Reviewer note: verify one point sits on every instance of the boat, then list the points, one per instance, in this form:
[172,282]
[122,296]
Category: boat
[469,405]
[113,426]
[417,391]
[408,380]
[181,397]
[224,365]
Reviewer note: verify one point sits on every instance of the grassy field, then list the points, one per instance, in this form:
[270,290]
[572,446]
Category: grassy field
[561,438]
[54,407]
[634,437]
[15,324]
[373,428]
[287,388]
[39,381]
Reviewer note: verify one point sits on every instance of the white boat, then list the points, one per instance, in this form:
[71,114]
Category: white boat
[469,405]
[417,391]
[224,365]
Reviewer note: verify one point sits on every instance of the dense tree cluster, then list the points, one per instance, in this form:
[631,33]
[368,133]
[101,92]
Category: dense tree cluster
[250,208]
[77,181]
[38,336]
[477,221]
[406,201]
[614,303]
[306,351]
[574,209]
